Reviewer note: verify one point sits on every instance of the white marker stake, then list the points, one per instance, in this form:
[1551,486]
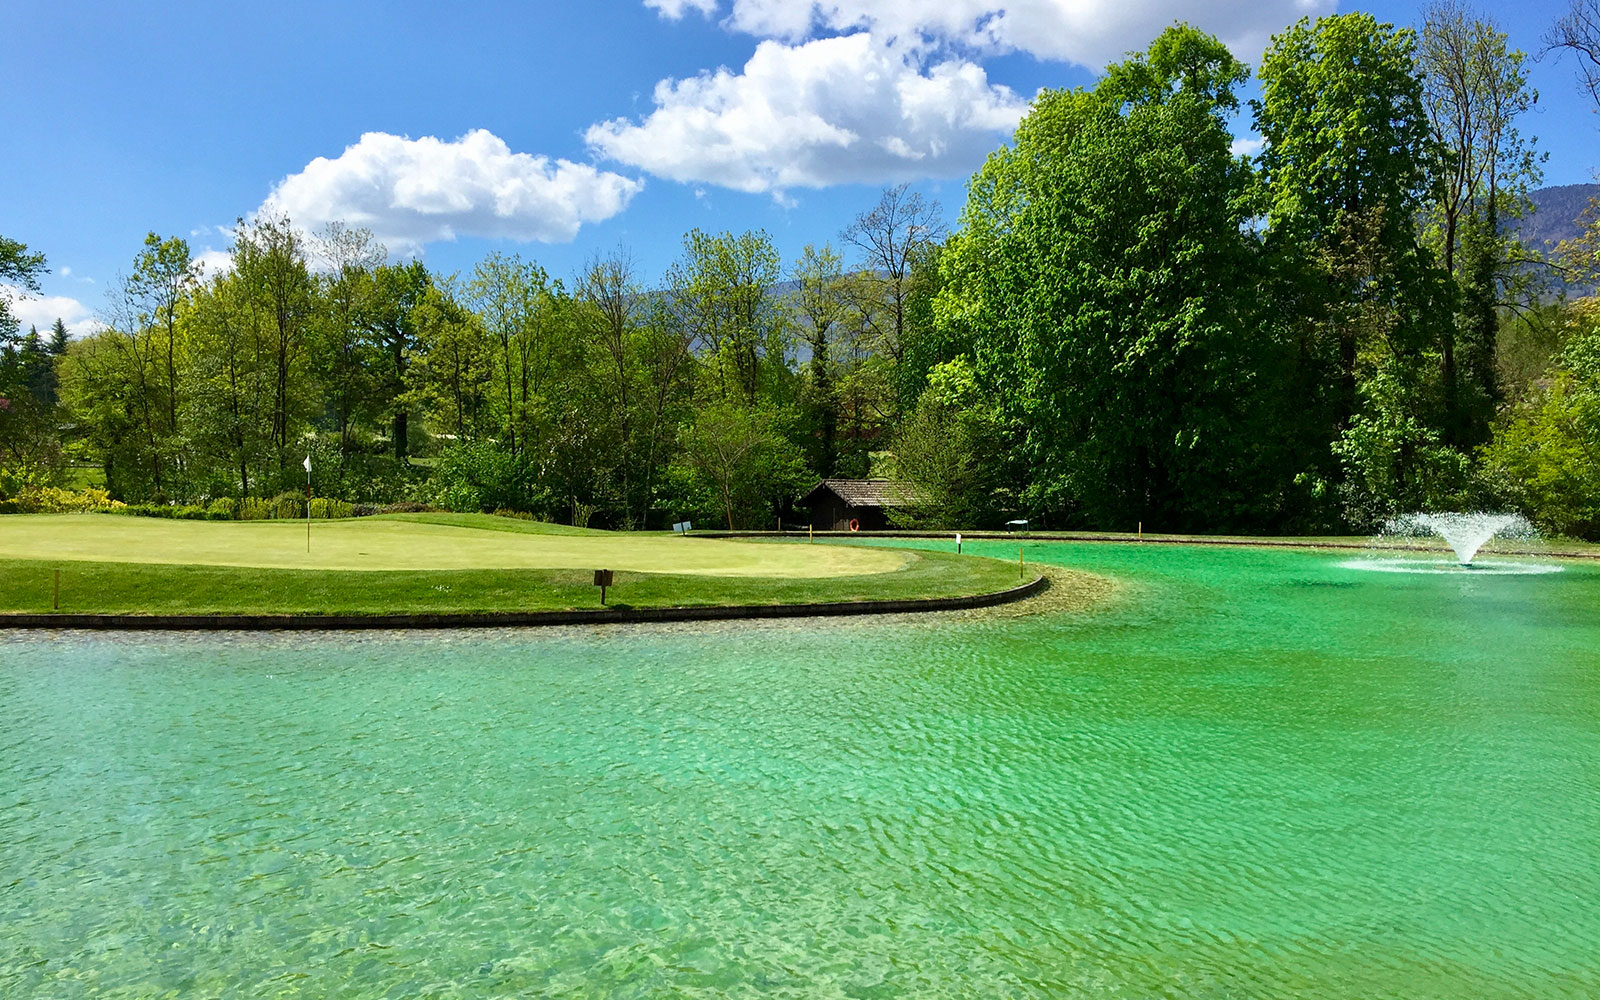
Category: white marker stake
[958,543]
[308,504]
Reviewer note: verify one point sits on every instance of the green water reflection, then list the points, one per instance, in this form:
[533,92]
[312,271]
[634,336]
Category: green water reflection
[1255,773]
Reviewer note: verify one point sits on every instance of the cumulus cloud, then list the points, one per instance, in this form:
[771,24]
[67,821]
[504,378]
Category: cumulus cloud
[42,311]
[833,110]
[672,10]
[213,262]
[1090,33]
[409,192]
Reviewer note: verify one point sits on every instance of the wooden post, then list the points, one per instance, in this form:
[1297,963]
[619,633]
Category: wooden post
[56,603]
[1020,573]
[1141,531]
[811,533]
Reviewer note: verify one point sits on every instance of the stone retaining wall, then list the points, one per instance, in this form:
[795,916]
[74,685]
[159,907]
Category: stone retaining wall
[518,619]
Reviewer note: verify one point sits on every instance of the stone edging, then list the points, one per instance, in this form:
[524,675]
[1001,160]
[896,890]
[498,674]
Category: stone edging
[1003,536]
[518,619]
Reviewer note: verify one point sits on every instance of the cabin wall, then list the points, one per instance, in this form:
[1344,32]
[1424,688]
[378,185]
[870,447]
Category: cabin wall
[833,514]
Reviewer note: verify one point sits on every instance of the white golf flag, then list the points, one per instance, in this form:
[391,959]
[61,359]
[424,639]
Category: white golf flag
[308,465]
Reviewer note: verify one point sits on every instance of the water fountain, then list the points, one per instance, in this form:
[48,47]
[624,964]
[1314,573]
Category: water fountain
[1464,533]
[1468,534]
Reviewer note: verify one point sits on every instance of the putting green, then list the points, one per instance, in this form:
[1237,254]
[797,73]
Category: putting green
[417,543]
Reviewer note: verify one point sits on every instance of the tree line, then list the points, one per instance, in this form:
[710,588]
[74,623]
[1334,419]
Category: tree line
[1131,321]
[594,399]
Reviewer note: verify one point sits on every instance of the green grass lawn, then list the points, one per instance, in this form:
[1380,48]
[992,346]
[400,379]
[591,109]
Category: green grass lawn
[412,563]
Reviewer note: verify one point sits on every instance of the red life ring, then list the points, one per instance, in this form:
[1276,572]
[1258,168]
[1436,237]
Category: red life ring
[855,525]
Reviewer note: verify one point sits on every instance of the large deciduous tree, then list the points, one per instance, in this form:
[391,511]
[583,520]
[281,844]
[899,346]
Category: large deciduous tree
[721,290]
[1105,275]
[1475,89]
[1347,165]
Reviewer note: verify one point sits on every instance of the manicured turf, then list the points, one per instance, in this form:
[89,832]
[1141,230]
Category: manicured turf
[484,564]
[414,542]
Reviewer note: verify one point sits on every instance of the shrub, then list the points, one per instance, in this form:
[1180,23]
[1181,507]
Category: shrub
[288,505]
[224,508]
[473,478]
[326,507]
[52,500]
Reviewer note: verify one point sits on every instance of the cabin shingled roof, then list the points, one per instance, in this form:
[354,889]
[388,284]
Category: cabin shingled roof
[870,492]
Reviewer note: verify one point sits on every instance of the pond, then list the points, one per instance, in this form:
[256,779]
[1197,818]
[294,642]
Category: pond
[1250,773]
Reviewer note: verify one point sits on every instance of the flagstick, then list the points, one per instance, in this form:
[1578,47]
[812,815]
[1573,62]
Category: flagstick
[308,505]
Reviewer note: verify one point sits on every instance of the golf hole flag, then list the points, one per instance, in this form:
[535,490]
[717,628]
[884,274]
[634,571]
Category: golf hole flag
[308,465]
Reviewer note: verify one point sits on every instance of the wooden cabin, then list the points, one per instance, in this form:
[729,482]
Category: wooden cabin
[857,504]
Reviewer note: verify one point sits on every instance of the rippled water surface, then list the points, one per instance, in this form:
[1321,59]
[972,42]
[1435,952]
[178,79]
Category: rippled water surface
[1253,774]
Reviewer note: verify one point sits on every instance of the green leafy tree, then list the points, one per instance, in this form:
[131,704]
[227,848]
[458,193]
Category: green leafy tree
[1181,61]
[20,268]
[720,290]
[609,316]
[164,273]
[820,310]
[1545,455]
[347,364]
[744,462]
[230,385]
[450,371]
[1347,168]
[516,302]
[1475,89]
[30,449]
[951,447]
[1105,275]
[102,390]
[389,318]
[270,262]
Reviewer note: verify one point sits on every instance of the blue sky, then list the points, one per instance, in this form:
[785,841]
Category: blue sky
[560,130]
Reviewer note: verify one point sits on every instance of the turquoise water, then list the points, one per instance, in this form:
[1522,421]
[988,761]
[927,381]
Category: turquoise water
[1254,773]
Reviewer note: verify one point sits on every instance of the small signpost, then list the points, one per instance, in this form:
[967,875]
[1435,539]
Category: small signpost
[602,579]
[958,543]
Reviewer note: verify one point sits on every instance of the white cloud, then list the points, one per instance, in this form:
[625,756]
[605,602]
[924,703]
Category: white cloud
[1090,33]
[42,311]
[830,111]
[672,10]
[409,192]
[213,262]
[1247,146]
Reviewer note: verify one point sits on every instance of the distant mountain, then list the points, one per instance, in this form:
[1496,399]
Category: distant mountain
[1557,215]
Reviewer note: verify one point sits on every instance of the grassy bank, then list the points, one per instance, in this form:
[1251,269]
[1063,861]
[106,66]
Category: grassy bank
[484,564]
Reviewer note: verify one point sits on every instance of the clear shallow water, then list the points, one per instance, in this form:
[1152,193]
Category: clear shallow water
[1257,773]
